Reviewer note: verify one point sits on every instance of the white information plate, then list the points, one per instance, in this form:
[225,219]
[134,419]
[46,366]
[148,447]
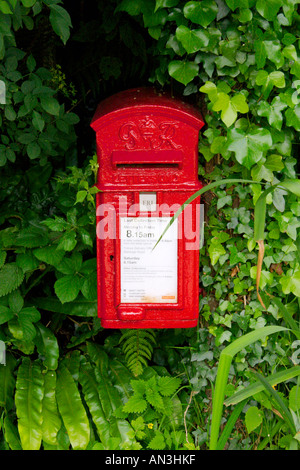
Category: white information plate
[148,202]
[147,275]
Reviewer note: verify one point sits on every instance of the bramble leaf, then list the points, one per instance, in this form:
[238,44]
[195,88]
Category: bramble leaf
[11,276]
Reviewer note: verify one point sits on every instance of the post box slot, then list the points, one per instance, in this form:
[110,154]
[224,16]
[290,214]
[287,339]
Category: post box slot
[147,159]
[147,165]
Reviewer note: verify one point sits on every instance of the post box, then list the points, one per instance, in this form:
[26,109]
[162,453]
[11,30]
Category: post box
[147,147]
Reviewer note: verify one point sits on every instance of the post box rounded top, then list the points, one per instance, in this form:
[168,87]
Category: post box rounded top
[145,100]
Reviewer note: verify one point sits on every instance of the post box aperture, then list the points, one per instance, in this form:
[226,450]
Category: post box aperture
[147,147]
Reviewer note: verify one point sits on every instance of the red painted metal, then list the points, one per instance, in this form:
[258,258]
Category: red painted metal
[147,143]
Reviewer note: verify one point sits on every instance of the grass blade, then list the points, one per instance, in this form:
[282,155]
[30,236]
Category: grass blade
[257,387]
[283,408]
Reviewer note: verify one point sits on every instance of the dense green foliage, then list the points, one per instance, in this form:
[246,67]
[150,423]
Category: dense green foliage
[68,383]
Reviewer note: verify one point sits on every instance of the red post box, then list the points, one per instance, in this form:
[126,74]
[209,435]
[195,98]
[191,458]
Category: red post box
[147,146]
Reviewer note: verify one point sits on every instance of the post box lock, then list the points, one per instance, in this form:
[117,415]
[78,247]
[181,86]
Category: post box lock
[147,147]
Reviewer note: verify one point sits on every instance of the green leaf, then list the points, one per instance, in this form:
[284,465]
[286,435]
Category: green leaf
[293,118]
[11,276]
[230,107]
[47,346]
[89,385]
[31,237]
[183,71]
[25,319]
[15,301]
[79,307]
[67,241]
[268,81]
[11,434]
[28,400]
[249,148]
[135,404]
[253,418]
[291,283]
[49,254]
[202,13]
[71,409]
[192,40]
[165,4]
[51,419]
[67,288]
[28,3]
[5,8]
[272,112]
[50,105]
[268,8]
[80,196]
[60,21]
[215,251]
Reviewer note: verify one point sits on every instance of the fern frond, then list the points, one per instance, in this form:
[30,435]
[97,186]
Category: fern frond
[137,346]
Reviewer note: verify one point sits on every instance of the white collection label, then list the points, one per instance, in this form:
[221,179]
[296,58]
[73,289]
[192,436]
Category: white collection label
[148,275]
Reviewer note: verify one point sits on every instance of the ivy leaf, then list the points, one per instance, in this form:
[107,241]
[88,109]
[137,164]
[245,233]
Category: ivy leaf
[230,107]
[268,8]
[165,4]
[167,386]
[215,251]
[272,112]
[192,40]
[249,148]
[253,418]
[293,118]
[268,81]
[5,314]
[158,442]
[260,54]
[50,105]
[135,404]
[183,71]
[274,163]
[291,283]
[60,21]
[202,13]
